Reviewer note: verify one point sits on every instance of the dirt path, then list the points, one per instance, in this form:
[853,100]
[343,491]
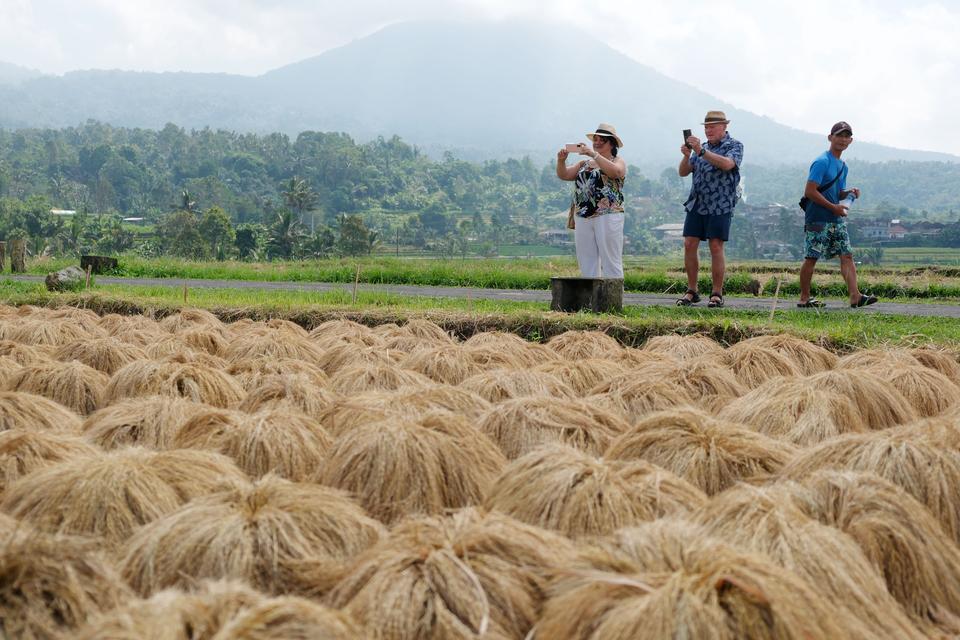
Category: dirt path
[521,295]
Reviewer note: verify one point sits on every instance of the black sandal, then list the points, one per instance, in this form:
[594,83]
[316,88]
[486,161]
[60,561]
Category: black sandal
[865,299]
[812,303]
[684,301]
[715,304]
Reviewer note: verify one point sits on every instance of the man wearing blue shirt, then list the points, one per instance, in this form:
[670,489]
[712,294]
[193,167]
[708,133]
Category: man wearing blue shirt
[825,219]
[716,174]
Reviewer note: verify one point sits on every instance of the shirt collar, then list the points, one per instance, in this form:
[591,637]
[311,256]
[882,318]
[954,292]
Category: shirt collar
[723,141]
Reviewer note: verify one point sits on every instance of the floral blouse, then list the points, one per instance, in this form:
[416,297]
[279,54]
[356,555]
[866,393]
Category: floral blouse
[595,194]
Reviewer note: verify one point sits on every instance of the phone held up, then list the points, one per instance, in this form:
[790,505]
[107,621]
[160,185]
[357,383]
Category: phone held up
[572,147]
[686,134]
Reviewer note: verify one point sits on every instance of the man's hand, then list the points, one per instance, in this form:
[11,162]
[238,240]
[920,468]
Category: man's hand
[694,142]
[855,191]
[685,150]
[840,212]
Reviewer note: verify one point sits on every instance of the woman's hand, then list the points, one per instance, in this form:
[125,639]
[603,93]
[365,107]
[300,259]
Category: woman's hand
[584,150]
[562,154]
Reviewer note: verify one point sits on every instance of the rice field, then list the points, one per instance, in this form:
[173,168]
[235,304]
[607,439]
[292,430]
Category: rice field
[183,478]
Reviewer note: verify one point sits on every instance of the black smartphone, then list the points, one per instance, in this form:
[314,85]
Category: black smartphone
[686,134]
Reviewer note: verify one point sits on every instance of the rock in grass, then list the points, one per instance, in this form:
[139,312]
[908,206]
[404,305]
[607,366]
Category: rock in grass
[69,279]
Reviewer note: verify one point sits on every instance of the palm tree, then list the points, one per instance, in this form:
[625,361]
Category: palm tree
[300,197]
[285,235]
[186,203]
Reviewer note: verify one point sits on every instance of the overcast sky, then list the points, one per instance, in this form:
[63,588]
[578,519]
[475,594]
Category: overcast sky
[889,67]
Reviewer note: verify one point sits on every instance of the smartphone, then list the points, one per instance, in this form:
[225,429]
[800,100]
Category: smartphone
[686,134]
[572,147]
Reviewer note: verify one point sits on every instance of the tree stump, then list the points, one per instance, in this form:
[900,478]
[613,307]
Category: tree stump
[3,255]
[599,295]
[69,279]
[18,255]
[98,264]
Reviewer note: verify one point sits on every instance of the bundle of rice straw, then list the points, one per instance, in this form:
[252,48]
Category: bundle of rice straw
[272,347]
[23,354]
[20,410]
[72,384]
[50,585]
[277,327]
[562,489]
[877,359]
[638,396]
[75,314]
[361,377]
[899,536]
[220,610]
[701,589]
[7,367]
[496,340]
[929,474]
[421,328]
[521,425]
[192,381]
[709,453]
[448,364]
[939,359]
[498,385]
[424,465]
[251,531]
[295,391]
[103,354]
[928,391]
[23,451]
[765,520]
[254,372]
[470,575]
[709,383]
[941,432]
[408,344]
[140,337]
[879,402]
[333,332]
[52,332]
[114,323]
[283,441]
[112,494]
[190,318]
[580,345]
[171,345]
[205,340]
[583,375]
[753,365]
[149,422]
[687,347]
[387,329]
[795,413]
[527,356]
[811,358]
[345,354]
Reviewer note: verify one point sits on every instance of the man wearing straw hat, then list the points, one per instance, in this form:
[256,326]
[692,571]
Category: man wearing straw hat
[716,174]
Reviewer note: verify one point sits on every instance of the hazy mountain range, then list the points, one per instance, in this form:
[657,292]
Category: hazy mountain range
[481,90]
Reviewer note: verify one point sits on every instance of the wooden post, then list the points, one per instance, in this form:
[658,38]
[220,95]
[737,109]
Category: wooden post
[87,285]
[184,293]
[18,255]
[356,283]
[776,295]
[3,254]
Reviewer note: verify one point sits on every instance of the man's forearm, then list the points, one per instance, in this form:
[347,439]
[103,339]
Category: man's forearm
[720,162]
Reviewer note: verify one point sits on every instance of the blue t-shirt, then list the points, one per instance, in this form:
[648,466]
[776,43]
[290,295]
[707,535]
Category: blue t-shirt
[714,192]
[822,171]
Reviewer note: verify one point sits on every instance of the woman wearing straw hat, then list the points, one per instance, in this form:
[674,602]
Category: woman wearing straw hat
[597,209]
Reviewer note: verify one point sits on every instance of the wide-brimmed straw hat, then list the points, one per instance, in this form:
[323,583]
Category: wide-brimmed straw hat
[715,117]
[606,129]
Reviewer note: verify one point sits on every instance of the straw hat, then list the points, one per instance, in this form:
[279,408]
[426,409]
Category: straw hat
[715,117]
[606,129]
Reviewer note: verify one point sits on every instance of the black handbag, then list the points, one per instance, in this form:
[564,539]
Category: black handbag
[805,201]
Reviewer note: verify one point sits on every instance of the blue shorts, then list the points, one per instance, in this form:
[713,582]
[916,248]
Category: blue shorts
[707,227]
[826,240]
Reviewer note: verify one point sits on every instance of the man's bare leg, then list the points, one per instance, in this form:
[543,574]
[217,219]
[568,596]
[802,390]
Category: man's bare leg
[718,264]
[691,262]
[806,277]
[849,272]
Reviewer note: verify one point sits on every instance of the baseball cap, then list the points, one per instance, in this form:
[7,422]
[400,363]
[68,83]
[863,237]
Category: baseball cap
[841,127]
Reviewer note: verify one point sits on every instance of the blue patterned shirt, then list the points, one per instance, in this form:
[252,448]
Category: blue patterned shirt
[714,192]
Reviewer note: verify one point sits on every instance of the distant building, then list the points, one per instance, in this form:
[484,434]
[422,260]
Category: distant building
[668,232]
[557,237]
[62,212]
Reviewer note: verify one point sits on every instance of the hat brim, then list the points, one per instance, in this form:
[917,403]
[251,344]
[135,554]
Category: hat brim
[839,131]
[715,122]
[606,135]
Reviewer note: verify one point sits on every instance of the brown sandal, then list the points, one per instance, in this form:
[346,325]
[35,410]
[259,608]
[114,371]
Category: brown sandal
[684,301]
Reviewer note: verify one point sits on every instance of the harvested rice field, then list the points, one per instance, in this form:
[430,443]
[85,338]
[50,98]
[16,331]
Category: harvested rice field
[183,478]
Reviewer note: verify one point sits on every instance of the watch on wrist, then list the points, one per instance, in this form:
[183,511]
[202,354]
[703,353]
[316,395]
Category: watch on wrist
[702,151]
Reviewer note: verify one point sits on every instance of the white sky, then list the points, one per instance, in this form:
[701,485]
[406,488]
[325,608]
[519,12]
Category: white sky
[889,67]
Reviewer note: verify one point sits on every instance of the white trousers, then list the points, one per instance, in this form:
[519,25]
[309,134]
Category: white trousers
[600,246]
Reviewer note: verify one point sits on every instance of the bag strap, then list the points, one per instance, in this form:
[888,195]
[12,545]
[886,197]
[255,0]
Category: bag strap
[824,187]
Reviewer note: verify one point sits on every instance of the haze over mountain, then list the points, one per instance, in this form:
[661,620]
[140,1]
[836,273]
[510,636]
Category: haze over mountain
[480,90]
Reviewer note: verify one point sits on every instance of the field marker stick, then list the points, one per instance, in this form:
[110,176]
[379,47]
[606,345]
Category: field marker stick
[87,285]
[184,293]
[776,295]
[356,283]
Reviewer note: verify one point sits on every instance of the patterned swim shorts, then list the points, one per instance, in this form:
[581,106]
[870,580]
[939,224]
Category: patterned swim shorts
[826,240]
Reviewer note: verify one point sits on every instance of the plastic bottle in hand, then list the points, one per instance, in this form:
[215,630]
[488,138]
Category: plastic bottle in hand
[847,202]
